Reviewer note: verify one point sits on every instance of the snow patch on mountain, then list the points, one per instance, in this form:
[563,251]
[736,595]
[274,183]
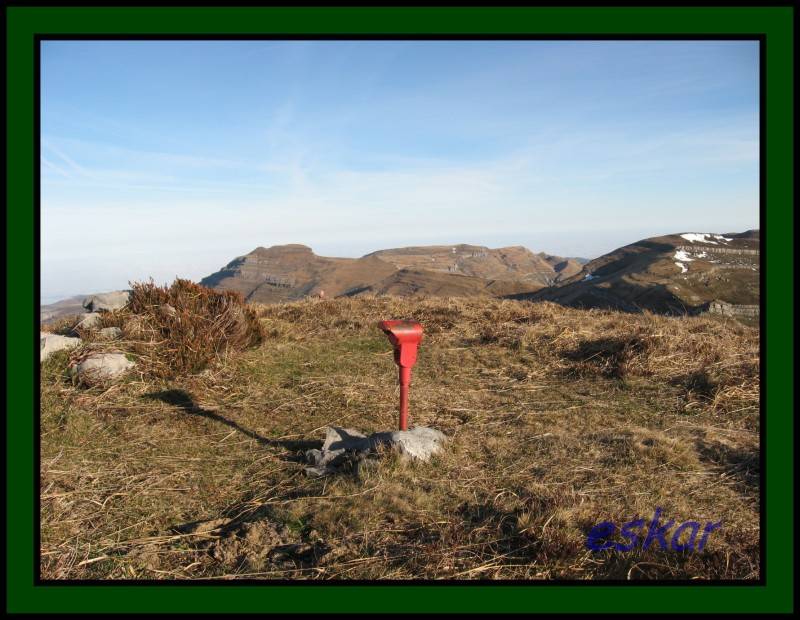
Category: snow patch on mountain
[705,238]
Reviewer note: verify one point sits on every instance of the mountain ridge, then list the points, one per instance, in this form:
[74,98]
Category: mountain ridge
[673,274]
[293,271]
[670,274]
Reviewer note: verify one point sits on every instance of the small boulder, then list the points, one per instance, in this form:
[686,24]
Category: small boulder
[109,333]
[100,367]
[50,343]
[420,443]
[89,320]
[346,448]
[106,302]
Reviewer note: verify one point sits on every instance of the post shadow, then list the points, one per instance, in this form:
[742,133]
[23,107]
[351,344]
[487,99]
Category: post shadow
[183,400]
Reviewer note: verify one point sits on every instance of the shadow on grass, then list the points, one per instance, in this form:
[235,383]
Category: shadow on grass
[184,401]
[606,356]
[741,464]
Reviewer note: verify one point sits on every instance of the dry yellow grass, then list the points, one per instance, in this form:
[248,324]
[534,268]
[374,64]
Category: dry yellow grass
[559,419]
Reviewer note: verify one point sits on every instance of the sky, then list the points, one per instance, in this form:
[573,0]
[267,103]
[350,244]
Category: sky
[170,158]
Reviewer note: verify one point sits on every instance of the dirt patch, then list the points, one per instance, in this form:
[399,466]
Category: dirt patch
[260,543]
[250,546]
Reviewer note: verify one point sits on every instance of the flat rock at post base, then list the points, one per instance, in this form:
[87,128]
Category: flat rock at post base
[345,446]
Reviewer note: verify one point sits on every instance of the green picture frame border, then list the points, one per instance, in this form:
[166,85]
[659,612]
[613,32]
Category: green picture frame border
[24,23]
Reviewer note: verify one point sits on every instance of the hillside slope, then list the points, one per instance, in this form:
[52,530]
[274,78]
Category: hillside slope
[292,272]
[510,263]
[670,274]
[65,307]
[410,282]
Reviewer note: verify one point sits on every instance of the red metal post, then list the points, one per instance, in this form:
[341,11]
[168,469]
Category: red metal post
[405,381]
[405,337]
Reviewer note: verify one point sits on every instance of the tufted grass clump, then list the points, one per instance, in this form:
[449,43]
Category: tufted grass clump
[183,327]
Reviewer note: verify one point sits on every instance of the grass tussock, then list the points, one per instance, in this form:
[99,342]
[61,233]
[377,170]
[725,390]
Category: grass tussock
[558,419]
[715,362]
[183,327]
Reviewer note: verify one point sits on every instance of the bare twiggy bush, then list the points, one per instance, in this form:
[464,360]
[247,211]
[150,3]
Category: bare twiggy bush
[181,328]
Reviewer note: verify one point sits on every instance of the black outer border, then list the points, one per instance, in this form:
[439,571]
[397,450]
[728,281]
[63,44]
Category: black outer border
[762,40]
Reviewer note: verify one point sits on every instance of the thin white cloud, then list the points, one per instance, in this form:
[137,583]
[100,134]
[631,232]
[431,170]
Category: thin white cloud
[55,168]
[520,145]
[71,163]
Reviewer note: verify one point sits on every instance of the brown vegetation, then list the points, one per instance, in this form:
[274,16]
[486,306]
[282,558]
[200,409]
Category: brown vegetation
[183,327]
[559,419]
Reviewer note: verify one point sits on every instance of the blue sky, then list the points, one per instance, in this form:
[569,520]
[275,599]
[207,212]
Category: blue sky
[171,158]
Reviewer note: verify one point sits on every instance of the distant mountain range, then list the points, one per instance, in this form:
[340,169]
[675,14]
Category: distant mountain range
[677,273]
[680,273]
[290,272]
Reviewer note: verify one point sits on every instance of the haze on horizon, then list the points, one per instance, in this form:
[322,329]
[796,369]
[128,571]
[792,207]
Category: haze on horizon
[169,159]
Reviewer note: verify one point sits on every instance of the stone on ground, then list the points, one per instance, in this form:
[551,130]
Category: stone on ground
[421,442]
[89,320]
[109,333]
[100,367]
[106,302]
[50,343]
[345,447]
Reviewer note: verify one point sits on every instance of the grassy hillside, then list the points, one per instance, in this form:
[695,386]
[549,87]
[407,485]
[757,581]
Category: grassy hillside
[672,274]
[559,419]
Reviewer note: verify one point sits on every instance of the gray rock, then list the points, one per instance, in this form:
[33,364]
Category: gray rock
[341,446]
[100,367]
[421,442]
[105,302]
[89,320]
[109,333]
[345,447]
[50,343]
